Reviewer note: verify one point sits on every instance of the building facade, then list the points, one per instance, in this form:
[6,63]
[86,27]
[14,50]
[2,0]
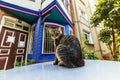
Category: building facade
[100,47]
[82,10]
[24,29]
[81,20]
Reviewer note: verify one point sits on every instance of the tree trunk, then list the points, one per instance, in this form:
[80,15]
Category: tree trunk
[114,46]
[110,49]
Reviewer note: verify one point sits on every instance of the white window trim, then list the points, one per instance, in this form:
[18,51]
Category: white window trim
[89,37]
[49,23]
[14,20]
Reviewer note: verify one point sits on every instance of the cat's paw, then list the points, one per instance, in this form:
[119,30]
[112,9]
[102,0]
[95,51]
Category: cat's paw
[55,62]
[61,64]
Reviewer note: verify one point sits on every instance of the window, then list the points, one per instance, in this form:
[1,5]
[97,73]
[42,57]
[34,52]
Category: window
[82,13]
[9,22]
[88,37]
[48,42]
[83,1]
[67,4]
[18,26]
[49,47]
[15,23]
[25,28]
[42,1]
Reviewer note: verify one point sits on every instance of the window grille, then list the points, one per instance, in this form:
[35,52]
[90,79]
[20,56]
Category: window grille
[48,42]
[49,47]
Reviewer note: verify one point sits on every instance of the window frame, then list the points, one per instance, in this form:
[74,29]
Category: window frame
[48,24]
[88,36]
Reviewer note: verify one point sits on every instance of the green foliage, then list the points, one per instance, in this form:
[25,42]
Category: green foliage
[16,63]
[31,62]
[84,51]
[89,54]
[86,41]
[102,10]
[119,57]
[118,31]
[105,35]
[114,16]
[108,11]
[117,40]
[22,63]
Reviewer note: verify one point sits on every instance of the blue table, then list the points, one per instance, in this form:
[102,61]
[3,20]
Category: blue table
[93,70]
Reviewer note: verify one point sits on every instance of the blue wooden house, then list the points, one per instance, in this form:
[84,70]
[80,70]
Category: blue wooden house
[24,26]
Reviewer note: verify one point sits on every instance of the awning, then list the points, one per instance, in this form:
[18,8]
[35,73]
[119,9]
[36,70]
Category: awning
[25,14]
[54,12]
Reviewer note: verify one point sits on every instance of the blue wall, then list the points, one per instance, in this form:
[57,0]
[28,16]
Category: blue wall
[67,30]
[43,57]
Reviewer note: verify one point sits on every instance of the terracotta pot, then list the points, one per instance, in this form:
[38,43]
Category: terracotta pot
[107,56]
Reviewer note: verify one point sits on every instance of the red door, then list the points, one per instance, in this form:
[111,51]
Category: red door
[13,45]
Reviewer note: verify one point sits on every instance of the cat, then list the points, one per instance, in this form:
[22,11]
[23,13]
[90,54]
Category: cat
[68,49]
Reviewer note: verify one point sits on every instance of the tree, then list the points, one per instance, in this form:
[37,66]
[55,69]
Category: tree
[108,12]
[105,36]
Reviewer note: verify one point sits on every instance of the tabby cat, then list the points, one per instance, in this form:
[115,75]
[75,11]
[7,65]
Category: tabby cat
[68,49]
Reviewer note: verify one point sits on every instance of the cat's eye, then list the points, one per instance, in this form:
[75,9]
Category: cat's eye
[57,32]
